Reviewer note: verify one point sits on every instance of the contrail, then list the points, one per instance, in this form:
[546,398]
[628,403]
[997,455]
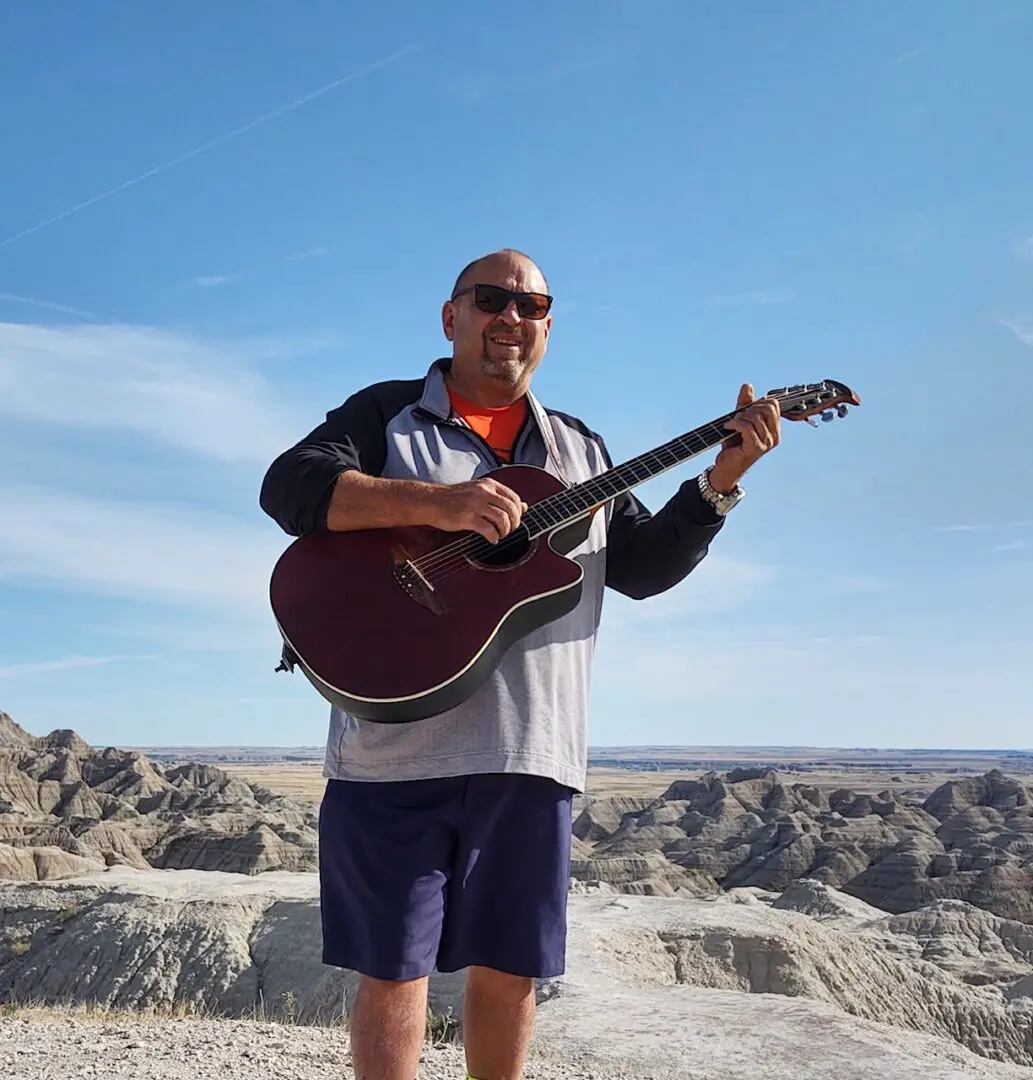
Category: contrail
[250,126]
[14,298]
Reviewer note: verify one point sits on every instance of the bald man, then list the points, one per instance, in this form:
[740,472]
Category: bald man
[445,843]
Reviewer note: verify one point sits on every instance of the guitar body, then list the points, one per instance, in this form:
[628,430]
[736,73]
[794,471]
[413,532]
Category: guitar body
[387,643]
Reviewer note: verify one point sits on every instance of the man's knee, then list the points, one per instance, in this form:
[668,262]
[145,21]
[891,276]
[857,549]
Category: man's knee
[392,994]
[500,986]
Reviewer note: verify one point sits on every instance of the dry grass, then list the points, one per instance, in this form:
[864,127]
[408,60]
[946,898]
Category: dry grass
[301,781]
[97,1012]
[441,1029]
[306,781]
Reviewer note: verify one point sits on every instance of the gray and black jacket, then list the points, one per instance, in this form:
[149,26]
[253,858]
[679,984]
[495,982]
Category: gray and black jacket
[531,716]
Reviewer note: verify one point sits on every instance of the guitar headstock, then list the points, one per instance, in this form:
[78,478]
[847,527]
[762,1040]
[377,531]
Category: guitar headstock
[828,397]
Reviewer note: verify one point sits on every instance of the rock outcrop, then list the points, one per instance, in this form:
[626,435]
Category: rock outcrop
[970,840]
[647,978]
[66,808]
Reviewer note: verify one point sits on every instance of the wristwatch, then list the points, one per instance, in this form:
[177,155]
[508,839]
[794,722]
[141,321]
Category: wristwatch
[718,500]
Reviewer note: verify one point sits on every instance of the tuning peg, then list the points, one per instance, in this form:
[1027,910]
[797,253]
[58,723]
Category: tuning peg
[827,415]
[810,420]
[842,410]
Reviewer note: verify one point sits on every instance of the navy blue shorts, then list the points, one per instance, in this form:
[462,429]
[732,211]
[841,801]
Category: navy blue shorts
[418,875]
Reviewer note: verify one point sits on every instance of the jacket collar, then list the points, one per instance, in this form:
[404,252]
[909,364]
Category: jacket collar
[435,401]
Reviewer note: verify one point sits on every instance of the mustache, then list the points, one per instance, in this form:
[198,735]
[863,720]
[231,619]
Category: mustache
[508,331]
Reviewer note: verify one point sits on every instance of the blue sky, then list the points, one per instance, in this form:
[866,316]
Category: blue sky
[219,220]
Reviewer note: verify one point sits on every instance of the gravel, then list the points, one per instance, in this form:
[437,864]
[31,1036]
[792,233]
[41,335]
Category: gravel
[52,1044]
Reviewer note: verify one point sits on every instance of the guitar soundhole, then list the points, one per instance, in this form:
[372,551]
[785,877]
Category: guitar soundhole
[509,551]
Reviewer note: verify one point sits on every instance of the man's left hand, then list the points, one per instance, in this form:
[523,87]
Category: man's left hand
[758,428]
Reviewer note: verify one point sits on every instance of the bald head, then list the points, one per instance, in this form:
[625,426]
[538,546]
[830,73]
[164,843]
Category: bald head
[497,260]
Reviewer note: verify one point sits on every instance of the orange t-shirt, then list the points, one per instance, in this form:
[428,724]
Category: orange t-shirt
[498,427]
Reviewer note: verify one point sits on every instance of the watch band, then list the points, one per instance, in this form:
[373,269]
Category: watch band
[721,502]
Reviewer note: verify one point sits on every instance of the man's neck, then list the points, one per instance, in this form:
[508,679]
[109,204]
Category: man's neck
[491,393]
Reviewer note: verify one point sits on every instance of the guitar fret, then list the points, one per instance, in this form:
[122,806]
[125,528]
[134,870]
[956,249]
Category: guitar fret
[572,503]
[567,506]
[552,517]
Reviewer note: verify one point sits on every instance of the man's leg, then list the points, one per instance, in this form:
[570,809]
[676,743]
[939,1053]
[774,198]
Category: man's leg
[388,1023]
[498,1021]
[506,914]
[386,851]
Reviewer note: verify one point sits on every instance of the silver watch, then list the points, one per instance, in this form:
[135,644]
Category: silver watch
[718,500]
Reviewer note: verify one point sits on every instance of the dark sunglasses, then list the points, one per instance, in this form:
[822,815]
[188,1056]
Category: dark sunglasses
[494,299]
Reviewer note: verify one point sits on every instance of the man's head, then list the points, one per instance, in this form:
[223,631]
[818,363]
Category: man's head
[496,340]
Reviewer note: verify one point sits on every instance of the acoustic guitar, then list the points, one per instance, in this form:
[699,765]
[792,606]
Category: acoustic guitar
[400,624]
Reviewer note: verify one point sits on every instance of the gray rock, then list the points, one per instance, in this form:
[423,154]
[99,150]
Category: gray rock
[650,982]
[66,808]
[969,840]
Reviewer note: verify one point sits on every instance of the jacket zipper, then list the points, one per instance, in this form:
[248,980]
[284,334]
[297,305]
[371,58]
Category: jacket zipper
[451,421]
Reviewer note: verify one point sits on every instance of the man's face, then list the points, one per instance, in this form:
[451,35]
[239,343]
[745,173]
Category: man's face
[506,346]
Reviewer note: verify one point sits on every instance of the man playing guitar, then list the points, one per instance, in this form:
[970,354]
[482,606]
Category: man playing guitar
[445,842]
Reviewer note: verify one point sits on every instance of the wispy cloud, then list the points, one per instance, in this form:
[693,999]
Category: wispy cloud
[910,56]
[472,84]
[50,305]
[720,583]
[1021,327]
[310,253]
[1012,545]
[213,281]
[36,668]
[755,297]
[137,551]
[984,526]
[258,121]
[196,396]
[690,668]
[783,686]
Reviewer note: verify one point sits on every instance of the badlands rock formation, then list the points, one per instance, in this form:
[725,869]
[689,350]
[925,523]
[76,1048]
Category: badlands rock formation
[67,809]
[970,840]
[810,982]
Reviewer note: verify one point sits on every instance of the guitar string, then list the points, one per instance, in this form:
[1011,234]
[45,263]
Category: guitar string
[564,503]
[568,504]
[454,556]
[573,500]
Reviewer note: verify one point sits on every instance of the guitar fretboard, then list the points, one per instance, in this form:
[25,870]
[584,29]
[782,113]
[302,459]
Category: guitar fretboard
[567,506]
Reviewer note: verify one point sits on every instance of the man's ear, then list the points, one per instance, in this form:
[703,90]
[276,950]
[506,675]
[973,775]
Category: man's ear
[448,316]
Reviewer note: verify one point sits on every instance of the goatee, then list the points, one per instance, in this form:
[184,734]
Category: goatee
[509,371]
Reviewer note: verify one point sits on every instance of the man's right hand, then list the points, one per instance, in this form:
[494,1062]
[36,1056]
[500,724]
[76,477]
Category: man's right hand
[483,506]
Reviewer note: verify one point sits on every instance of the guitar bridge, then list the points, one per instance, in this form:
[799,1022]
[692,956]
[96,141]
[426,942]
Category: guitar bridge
[416,586]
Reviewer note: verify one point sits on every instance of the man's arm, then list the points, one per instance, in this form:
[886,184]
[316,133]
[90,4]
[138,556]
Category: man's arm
[329,480]
[302,483]
[646,553]
[649,554]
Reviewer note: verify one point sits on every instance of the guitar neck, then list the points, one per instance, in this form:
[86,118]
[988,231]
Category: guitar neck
[574,502]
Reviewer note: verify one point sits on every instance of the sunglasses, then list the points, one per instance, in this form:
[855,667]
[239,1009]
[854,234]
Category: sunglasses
[493,299]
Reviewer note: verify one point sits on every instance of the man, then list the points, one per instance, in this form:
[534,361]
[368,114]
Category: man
[446,842]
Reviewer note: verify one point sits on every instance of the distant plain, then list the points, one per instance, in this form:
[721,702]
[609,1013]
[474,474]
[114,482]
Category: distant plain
[649,771]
